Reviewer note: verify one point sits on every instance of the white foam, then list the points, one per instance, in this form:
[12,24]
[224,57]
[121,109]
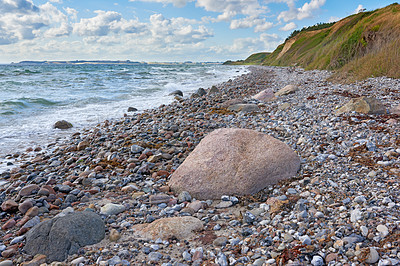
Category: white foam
[37,129]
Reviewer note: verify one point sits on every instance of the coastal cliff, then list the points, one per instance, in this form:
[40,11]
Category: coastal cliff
[359,46]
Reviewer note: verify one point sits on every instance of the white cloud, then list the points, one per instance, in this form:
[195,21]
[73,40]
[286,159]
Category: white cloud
[177,30]
[359,9]
[72,13]
[17,6]
[230,8]
[289,26]
[243,47]
[259,24]
[100,25]
[22,20]
[177,3]
[306,11]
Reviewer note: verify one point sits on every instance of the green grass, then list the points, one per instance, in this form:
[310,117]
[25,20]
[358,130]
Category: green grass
[360,45]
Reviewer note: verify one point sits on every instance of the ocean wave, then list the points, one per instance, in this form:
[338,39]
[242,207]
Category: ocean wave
[86,95]
[25,72]
[22,103]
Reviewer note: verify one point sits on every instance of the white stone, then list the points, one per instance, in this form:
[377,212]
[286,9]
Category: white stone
[355,215]
[364,230]
[373,256]
[112,209]
[305,240]
[383,230]
[77,261]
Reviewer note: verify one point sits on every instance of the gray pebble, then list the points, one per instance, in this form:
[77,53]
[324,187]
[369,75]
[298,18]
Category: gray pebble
[154,256]
[317,261]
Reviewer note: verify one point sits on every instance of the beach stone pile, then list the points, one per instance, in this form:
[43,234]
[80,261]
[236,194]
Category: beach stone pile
[188,183]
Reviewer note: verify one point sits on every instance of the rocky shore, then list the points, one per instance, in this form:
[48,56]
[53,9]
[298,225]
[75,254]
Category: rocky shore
[112,182]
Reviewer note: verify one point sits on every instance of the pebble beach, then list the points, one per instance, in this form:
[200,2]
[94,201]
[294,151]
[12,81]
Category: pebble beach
[341,208]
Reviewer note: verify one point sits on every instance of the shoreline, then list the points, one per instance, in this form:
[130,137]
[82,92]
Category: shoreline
[24,133]
[320,214]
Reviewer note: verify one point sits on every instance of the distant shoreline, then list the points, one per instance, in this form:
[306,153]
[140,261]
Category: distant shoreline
[110,62]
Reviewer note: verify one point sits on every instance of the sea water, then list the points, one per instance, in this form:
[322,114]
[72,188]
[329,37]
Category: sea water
[34,97]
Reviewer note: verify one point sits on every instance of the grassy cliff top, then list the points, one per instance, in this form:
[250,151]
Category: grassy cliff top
[359,46]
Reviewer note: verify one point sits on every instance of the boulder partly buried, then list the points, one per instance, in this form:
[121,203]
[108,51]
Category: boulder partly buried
[288,89]
[265,96]
[166,228]
[234,162]
[59,237]
[366,105]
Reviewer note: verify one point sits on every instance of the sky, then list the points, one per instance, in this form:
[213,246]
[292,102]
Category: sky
[158,30]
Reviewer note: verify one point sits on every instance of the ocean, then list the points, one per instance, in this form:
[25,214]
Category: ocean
[34,97]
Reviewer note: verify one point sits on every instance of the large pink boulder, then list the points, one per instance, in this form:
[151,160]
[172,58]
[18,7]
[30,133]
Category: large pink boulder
[265,96]
[232,161]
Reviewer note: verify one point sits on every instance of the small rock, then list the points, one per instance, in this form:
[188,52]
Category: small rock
[184,196]
[9,253]
[159,198]
[373,256]
[221,259]
[114,261]
[78,261]
[25,206]
[317,261]
[112,209]
[331,257]
[220,241]
[364,231]
[17,240]
[288,89]
[305,240]
[186,256]
[6,263]
[360,199]
[132,109]
[196,205]
[224,204]
[213,90]
[154,257]
[62,124]
[383,230]
[201,92]
[9,206]
[136,149]
[9,224]
[176,92]
[83,145]
[28,190]
[32,222]
[259,262]
[114,235]
[166,228]
[355,215]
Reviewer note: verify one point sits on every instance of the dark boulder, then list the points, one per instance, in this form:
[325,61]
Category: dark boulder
[177,92]
[62,236]
[62,124]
